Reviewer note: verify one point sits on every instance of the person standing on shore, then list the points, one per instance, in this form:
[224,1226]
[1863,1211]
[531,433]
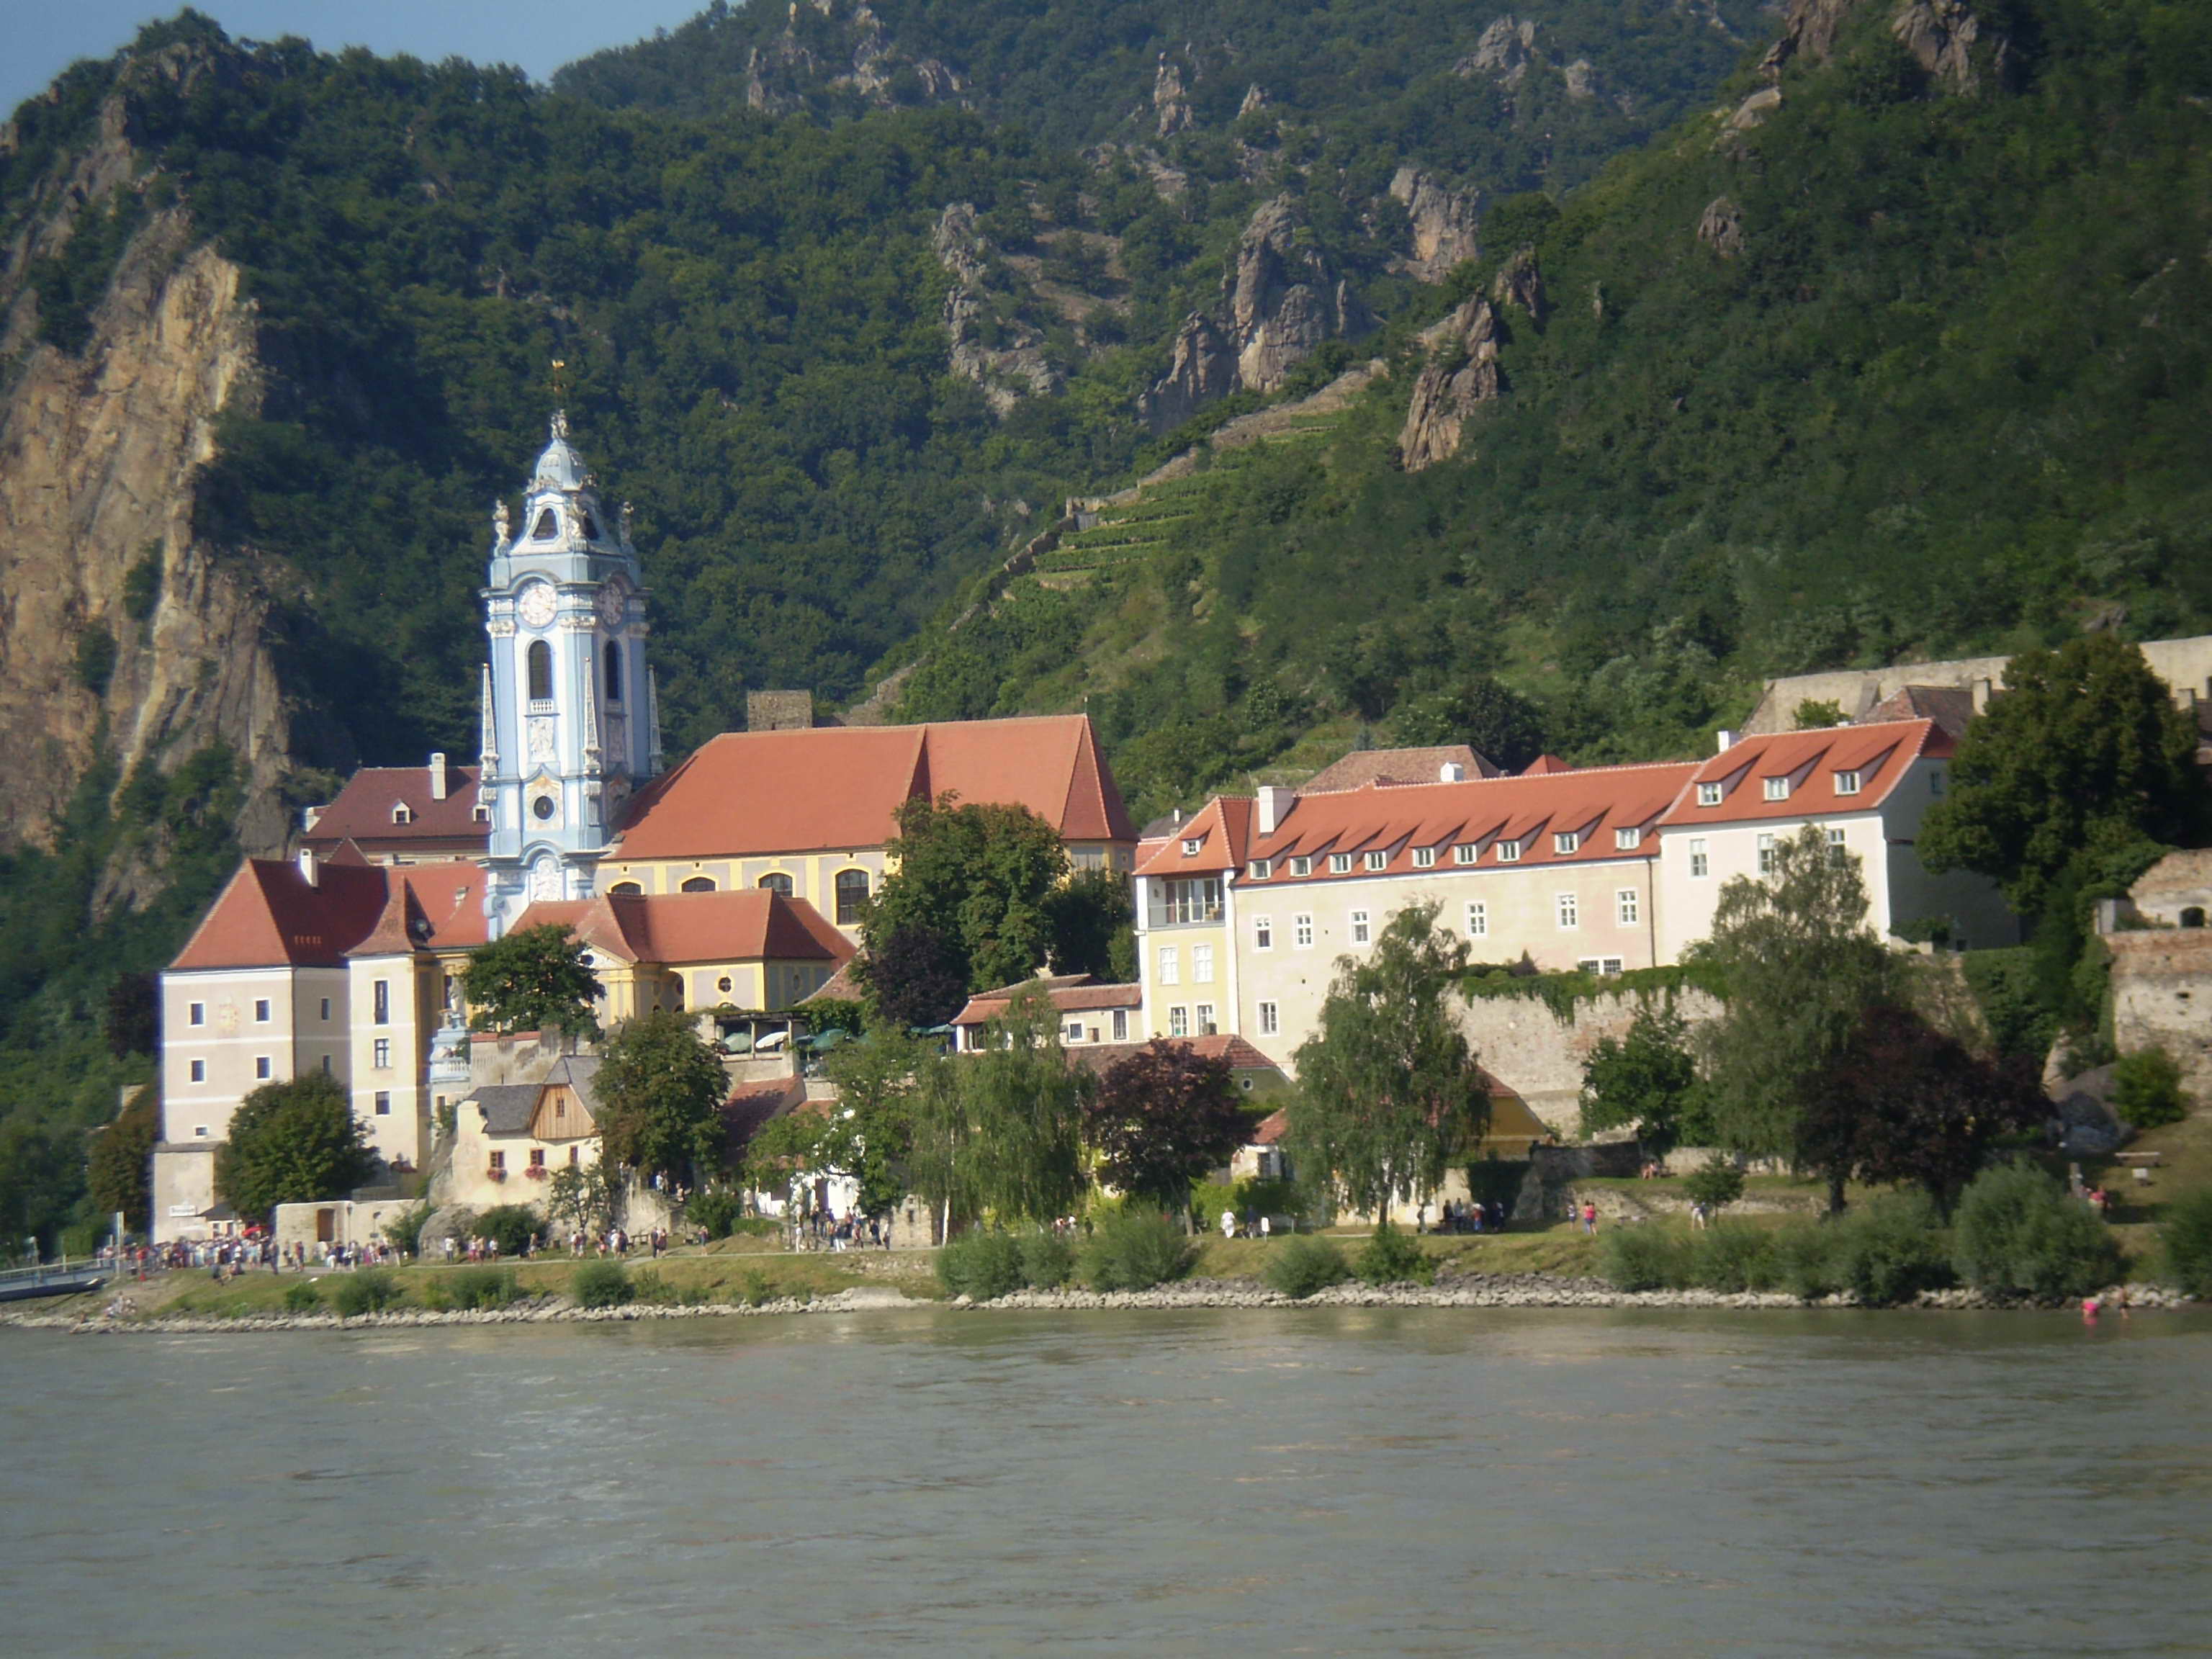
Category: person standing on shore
[1589,1217]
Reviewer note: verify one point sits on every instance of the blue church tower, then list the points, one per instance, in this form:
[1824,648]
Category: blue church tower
[571,714]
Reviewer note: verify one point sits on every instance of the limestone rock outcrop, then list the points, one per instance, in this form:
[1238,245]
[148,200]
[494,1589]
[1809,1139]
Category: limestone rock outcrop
[1170,98]
[1011,365]
[1521,284]
[1445,223]
[1721,228]
[1503,53]
[1202,371]
[1810,28]
[1941,34]
[1459,375]
[780,75]
[1284,298]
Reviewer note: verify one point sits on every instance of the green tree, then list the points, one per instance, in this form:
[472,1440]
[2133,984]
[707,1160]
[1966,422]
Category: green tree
[2083,746]
[41,1174]
[2147,1089]
[1092,922]
[658,1096]
[866,1136]
[119,1172]
[293,1142]
[998,1134]
[1500,724]
[2019,1232]
[980,878]
[1390,1091]
[1646,1080]
[1161,1119]
[583,1195]
[533,980]
[1815,713]
[1799,966]
[913,977]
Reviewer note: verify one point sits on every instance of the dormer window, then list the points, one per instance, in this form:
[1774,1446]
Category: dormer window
[547,528]
[1777,788]
[1340,864]
[402,812]
[1466,853]
[481,812]
[1708,794]
[1567,842]
[1425,858]
[1627,841]
[1847,783]
[1378,860]
[1191,845]
[1301,866]
[1262,868]
[1508,852]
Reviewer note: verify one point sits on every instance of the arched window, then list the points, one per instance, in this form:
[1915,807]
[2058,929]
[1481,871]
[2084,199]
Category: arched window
[699,884]
[2193,916]
[541,671]
[547,528]
[614,670]
[624,887]
[676,994]
[852,896]
[777,882]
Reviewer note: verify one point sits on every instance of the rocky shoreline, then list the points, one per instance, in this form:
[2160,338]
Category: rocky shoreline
[1474,1291]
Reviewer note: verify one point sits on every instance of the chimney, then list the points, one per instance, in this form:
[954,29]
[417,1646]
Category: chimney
[1274,806]
[308,872]
[1981,695]
[437,777]
[1727,740]
[1451,772]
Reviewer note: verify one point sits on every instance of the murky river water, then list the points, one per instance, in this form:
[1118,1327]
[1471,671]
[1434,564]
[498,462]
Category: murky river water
[1376,1482]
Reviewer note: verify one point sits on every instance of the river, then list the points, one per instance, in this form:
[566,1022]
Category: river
[1377,1481]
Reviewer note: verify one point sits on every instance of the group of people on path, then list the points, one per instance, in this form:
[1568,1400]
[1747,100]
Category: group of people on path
[824,1230]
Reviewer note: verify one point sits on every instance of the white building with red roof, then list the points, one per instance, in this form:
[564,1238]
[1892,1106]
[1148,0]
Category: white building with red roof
[1867,787]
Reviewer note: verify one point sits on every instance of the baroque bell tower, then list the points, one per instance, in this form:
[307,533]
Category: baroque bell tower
[571,715]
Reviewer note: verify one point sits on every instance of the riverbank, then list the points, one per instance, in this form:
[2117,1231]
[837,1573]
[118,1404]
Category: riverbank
[1493,1291]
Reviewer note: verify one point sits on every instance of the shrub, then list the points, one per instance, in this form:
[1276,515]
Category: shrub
[1715,1185]
[480,1287]
[600,1285]
[717,1210]
[1305,1263]
[302,1296]
[754,1289]
[1047,1261]
[511,1226]
[404,1231]
[2186,1236]
[369,1291]
[2147,1089]
[1804,1263]
[1390,1257]
[646,1285]
[2019,1230]
[981,1264]
[1644,1258]
[1890,1250]
[1134,1250]
[1732,1257]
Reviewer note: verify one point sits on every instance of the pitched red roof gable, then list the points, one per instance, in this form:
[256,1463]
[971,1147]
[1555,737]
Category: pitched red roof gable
[362,810]
[269,916]
[428,907]
[1073,993]
[1398,821]
[751,924]
[1222,828]
[1366,766]
[1880,754]
[1242,1055]
[826,788]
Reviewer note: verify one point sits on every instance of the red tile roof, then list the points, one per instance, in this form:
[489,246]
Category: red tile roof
[750,924]
[1545,766]
[269,916]
[1222,828]
[1951,707]
[363,808]
[1271,1128]
[1880,754]
[428,907]
[1593,803]
[1071,993]
[748,794]
[1242,1055]
[1366,766]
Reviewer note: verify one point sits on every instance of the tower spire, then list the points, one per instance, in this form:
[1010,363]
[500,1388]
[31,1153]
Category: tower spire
[653,756]
[487,742]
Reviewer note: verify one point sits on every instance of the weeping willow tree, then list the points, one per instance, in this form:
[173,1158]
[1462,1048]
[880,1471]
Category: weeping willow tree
[998,1134]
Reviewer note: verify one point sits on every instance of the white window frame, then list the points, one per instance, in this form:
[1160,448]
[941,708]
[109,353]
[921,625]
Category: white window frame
[1340,864]
[1567,842]
[1627,841]
[1708,794]
[1071,1031]
[1302,932]
[1378,860]
[1178,1021]
[1847,782]
[1766,845]
[1567,911]
[1425,858]
[1263,932]
[381,1056]
[1628,906]
[1466,852]
[1777,788]
[1192,846]
[1120,1025]
[381,1104]
[1202,964]
[1701,865]
[1262,868]
[1301,866]
[1169,969]
[195,1071]
[1610,965]
[1203,1023]
[1270,1020]
[1508,852]
[1362,930]
[1478,919]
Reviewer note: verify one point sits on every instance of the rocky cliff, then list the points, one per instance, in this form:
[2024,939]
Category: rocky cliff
[118,625]
[1460,374]
[1001,353]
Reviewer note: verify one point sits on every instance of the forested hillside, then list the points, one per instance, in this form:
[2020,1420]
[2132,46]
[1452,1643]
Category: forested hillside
[1901,350]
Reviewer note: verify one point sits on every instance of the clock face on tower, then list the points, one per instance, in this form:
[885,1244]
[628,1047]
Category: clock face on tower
[536,604]
[614,604]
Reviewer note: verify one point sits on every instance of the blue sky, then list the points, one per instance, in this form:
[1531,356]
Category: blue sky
[44,37]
